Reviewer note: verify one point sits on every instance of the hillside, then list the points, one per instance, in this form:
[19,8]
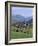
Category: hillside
[20,19]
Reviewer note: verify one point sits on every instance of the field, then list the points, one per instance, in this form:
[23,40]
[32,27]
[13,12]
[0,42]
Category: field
[21,32]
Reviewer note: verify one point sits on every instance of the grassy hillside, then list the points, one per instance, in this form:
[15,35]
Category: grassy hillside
[21,33]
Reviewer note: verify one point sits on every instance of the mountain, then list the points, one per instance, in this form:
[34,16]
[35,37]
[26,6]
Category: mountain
[29,20]
[19,18]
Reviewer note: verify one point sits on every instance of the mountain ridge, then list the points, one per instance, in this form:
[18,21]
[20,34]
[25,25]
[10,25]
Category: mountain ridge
[19,18]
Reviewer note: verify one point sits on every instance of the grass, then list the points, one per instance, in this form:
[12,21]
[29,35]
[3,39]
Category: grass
[16,35]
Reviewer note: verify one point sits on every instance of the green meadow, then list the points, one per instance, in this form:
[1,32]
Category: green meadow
[21,32]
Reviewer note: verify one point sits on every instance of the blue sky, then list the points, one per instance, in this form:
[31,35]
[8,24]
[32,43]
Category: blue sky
[23,11]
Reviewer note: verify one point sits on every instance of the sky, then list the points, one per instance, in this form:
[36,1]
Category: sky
[23,11]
